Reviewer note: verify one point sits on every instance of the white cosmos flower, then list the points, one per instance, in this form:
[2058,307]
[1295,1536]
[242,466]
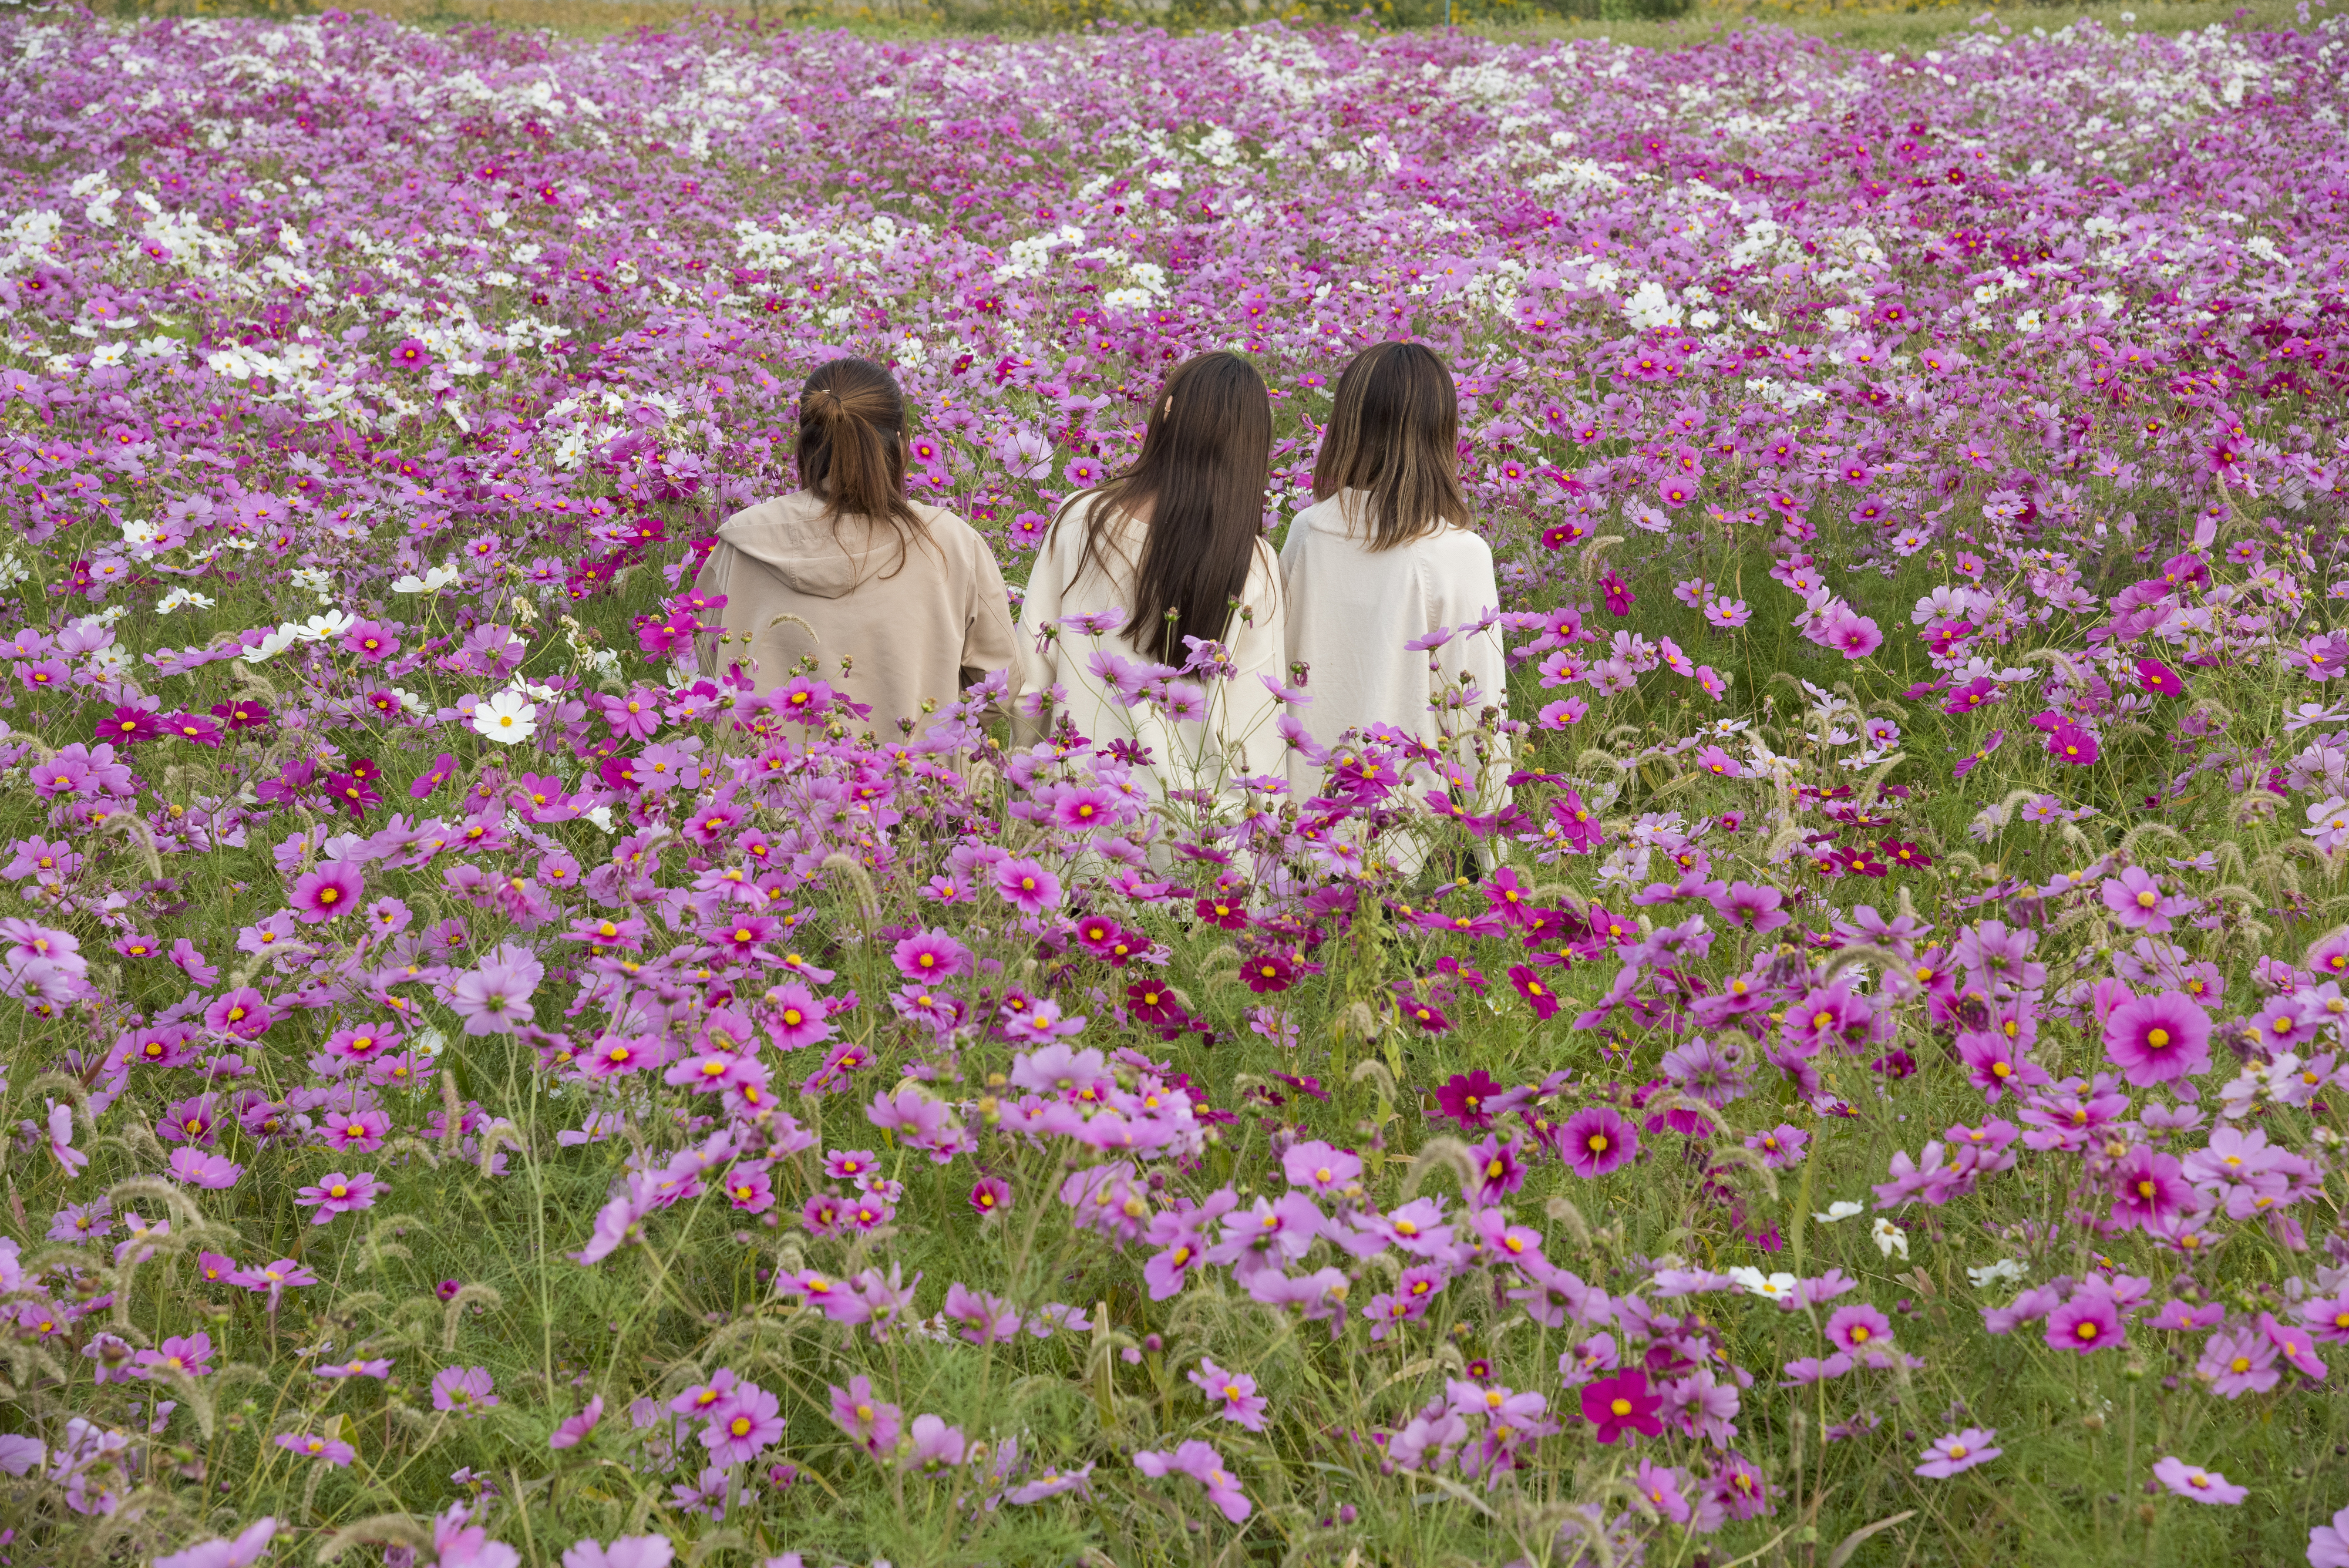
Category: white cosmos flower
[507,718]
[272,644]
[1780,1287]
[433,581]
[2008,1269]
[1844,1210]
[1890,1237]
[333,624]
[178,597]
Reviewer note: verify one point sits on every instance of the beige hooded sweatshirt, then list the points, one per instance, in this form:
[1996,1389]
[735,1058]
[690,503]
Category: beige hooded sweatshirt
[912,632]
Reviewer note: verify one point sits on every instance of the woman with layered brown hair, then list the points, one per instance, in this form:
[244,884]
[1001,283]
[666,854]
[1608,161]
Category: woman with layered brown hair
[1154,606]
[899,603]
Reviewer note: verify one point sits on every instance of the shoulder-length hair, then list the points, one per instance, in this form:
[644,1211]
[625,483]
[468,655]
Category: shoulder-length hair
[1395,435]
[1198,486]
[852,450]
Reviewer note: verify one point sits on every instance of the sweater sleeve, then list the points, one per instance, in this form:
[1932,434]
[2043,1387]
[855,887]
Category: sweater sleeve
[1465,593]
[990,643]
[1033,667]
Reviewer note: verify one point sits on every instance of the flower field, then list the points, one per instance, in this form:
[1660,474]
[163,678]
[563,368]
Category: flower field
[1856,1079]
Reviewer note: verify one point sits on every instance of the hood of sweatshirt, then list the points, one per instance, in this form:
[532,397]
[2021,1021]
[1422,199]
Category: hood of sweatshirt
[792,537]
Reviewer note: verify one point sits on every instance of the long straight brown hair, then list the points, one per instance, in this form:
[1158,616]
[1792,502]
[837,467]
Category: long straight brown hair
[852,450]
[1394,434]
[1200,480]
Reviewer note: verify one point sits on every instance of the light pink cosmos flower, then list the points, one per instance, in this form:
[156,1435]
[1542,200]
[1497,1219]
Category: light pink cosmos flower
[1233,1395]
[247,1548]
[1958,1452]
[2194,1481]
[751,1423]
[338,1194]
[464,1390]
[1203,1464]
[626,1552]
[314,1446]
[213,1172]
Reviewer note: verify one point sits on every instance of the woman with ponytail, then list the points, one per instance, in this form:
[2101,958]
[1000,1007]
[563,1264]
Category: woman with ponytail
[1154,610]
[900,605]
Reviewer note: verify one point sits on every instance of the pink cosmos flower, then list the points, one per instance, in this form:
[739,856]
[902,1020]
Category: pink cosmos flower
[320,894]
[1233,1394]
[625,1551]
[2090,1321]
[2194,1481]
[2296,1346]
[751,1423]
[338,1194]
[1958,1452]
[1202,1463]
[464,1390]
[273,1279]
[191,1353]
[1026,887]
[869,1420]
[2073,744]
[213,1172]
[795,1017]
[2238,1363]
[929,956]
[243,1011]
[1595,1140]
[248,1548]
[310,1445]
[2138,902]
[2328,1544]
[935,1446]
[494,998]
[1859,1327]
[2158,1039]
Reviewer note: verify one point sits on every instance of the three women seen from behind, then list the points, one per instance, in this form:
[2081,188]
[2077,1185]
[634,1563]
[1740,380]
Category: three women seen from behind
[1157,619]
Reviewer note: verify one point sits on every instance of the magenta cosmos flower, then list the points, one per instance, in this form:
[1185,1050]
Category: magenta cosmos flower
[1957,1452]
[1595,1140]
[2194,1481]
[1622,1404]
[2156,1039]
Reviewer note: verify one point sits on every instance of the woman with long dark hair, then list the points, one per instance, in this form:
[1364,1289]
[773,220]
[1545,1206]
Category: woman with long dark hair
[899,603]
[1382,563]
[1154,604]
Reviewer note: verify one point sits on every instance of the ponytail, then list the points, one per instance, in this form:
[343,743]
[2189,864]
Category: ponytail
[852,450]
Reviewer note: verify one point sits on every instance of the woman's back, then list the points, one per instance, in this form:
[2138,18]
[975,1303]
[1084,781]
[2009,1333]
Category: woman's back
[1353,611]
[916,618]
[1235,733]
